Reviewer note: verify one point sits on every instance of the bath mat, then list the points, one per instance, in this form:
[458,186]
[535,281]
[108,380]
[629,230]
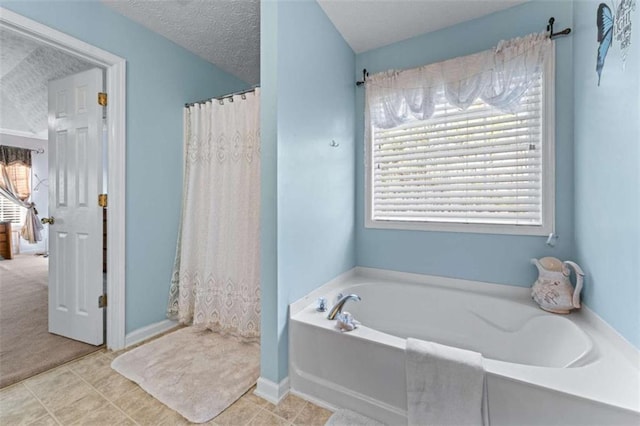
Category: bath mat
[197,373]
[351,418]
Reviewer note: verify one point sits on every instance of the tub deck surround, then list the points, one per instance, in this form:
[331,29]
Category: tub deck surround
[542,368]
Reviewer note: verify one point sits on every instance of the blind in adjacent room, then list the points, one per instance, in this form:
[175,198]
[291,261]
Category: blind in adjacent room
[11,212]
[479,165]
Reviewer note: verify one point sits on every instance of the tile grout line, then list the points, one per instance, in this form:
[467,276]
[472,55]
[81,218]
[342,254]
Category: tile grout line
[102,354]
[288,422]
[55,419]
[293,421]
[252,417]
[55,367]
[105,397]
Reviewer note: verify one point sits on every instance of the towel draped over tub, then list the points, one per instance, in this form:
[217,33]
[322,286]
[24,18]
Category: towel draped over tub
[445,385]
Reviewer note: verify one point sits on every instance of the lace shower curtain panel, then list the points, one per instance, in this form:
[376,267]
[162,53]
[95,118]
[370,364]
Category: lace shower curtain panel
[216,278]
[498,76]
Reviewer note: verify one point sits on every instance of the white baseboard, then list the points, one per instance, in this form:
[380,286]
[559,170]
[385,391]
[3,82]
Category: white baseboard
[272,392]
[315,401]
[144,333]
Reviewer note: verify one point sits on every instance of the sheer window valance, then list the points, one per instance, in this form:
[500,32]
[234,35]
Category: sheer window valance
[498,76]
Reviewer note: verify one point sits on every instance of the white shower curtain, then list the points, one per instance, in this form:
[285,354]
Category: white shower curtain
[216,277]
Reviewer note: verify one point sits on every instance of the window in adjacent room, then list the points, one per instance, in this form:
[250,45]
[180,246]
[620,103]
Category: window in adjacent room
[15,178]
[465,145]
[11,212]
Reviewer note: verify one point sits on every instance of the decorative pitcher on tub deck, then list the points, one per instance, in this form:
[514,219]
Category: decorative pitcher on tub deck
[553,290]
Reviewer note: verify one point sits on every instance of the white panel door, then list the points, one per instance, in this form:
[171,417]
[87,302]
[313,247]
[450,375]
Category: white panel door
[75,180]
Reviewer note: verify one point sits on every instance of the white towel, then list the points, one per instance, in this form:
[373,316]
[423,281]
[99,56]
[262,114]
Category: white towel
[445,385]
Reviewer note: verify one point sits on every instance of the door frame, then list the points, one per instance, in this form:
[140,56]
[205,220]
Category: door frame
[115,68]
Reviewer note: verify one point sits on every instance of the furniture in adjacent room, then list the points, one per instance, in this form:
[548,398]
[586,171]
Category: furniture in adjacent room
[6,240]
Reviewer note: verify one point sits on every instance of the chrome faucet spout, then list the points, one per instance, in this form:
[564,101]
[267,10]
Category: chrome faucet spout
[338,306]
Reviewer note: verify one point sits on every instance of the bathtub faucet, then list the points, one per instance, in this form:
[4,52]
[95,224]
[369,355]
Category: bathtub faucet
[338,307]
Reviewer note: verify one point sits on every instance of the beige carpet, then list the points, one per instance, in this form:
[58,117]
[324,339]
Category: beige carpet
[26,346]
[196,373]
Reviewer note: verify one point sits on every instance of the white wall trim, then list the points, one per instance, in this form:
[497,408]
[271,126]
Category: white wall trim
[22,134]
[315,401]
[115,67]
[272,392]
[144,333]
[613,336]
[116,212]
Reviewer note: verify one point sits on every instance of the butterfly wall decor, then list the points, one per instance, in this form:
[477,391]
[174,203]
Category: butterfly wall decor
[613,27]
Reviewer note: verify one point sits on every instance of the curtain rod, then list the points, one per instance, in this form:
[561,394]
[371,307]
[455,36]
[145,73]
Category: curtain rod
[552,35]
[37,151]
[221,98]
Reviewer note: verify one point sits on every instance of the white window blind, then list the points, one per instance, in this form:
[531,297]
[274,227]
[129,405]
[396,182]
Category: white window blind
[479,166]
[11,212]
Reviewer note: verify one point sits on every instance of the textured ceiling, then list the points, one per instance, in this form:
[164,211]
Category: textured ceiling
[25,69]
[369,24]
[224,32]
[227,32]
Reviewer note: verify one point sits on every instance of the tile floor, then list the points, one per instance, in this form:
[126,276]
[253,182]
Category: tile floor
[88,392]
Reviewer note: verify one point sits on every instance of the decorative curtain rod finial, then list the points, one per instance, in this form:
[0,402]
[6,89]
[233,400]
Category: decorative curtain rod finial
[553,35]
[365,74]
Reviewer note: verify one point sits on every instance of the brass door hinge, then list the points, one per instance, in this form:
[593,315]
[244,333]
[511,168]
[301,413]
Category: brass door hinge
[103,200]
[102,99]
[102,301]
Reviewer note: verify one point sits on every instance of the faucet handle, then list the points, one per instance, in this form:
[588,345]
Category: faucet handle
[321,304]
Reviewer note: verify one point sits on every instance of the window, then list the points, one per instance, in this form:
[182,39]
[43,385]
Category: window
[15,165]
[11,212]
[478,169]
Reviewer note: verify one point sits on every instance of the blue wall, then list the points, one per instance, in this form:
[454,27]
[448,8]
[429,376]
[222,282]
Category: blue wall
[607,173]
[312,68]
[161,77]
[483,257]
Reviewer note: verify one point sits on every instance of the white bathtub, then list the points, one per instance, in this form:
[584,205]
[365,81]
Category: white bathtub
[542,368]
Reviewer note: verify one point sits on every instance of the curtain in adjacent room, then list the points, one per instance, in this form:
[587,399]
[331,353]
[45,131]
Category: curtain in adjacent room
[15,185]
[216,277]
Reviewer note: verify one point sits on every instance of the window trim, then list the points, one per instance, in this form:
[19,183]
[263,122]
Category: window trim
[548,179]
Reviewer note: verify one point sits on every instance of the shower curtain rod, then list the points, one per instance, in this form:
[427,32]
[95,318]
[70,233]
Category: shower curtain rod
[221,98]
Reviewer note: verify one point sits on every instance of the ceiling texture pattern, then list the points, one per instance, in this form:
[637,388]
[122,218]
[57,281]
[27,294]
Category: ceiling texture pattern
[25,69]
[223,32]
[227,32]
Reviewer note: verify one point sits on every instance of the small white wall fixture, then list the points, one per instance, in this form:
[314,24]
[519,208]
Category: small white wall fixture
[115,68]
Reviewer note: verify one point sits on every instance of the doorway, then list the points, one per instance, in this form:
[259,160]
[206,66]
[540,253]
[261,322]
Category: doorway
[115,68]
[26,333]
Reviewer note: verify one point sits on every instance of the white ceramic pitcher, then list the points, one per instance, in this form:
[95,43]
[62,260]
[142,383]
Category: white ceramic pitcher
[553,290]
